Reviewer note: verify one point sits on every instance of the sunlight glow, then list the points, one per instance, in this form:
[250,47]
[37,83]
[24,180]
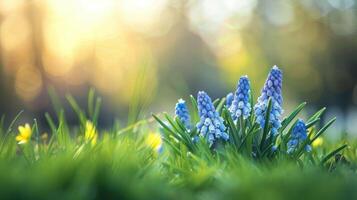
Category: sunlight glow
[28,82]
[142,12]
[14,32]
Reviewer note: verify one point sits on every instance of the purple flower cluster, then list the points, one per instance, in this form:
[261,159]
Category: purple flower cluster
[271,90]
[298,136]
[182,113]
[241,104]
[229,99]
[211,124]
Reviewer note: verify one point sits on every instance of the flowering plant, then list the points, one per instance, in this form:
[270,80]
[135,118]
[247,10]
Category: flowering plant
[234,124]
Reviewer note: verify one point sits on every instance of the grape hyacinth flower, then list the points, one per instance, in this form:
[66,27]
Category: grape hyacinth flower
[211,124]
[298,136]
[229,99]
[182,113]
[241,105]
[271,90]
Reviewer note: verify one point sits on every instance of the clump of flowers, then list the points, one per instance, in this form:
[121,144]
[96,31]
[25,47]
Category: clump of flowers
[90,134]
[154,141]
[298,137]
[241,105]
[182,113]
[25,133]
[229,99]
[261,133]
[271,90]
[211,124]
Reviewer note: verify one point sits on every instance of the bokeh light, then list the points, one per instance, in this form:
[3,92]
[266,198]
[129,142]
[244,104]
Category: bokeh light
[28,82]
[183,46]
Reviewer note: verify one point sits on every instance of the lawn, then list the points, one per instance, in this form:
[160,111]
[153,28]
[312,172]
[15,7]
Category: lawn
[210,149]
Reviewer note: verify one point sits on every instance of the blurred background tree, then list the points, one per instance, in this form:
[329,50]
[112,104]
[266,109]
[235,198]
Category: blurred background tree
[175,48]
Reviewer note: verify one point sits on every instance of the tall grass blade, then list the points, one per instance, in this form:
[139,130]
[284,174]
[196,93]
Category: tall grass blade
[266,125]
[332,154]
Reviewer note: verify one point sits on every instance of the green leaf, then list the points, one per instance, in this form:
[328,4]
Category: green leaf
[234,133]
[248,140]
[176,150]
[172,123]
[266,125]
[194,114]
[50,122]
[287,135]
[316,115]
[9,129]
[267,150]
[312,123]
[323,129]
[332,154]
[185,137]
[180,124]
[216,102]
[166,127]
[318,134]
[74,105]
[14,121]
[91,96]
[97,107]
[292,116]
[311,158]
[55,100]
[252,114]
[221,105]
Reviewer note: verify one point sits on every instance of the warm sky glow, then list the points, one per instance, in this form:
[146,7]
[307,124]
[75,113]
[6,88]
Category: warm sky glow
[101,43]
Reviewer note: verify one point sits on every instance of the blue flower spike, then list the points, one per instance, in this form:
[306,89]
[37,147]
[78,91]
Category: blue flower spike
[298,137]
[241,104]
[211,124]
[271,90]
[229,99]
[182,113]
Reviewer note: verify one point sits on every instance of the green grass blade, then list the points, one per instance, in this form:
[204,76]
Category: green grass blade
[317,115]
[234,132]
[173,133]
[9,129]
[292,116]
[2,123]
[168,142]
[91,96]
[55,100]
[323,129]
[50,122]
[267,124]
[96,113]
[312,123]
[216,102]
[74,105]
[180,124]
[186,139]
[194,111]
[309,142]
[332,154]
[221,105]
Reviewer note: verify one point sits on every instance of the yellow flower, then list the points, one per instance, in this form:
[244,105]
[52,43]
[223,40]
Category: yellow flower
[318,142]
[154,141]
[91,134]
[24,135]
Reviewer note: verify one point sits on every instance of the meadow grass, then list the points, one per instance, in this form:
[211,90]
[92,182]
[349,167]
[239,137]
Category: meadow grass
[212,150]
[122,163]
